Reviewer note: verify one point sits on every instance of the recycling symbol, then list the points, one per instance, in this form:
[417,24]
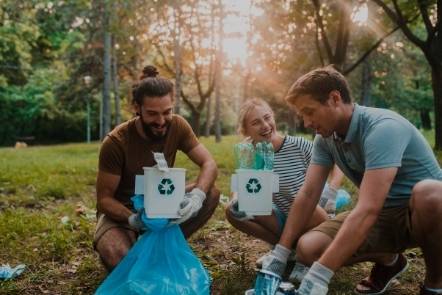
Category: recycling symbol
[253,186]
[166,186]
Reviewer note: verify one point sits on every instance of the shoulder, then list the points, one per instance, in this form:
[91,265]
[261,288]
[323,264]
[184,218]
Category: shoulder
[180,123]
[297,142]
[375,117]
[120,134]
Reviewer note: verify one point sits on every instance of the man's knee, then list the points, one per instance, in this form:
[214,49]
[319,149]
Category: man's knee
[427,196]
[113,246]
[111,255]
[311,246]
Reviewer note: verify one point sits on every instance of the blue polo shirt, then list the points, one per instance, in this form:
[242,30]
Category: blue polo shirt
[379,138]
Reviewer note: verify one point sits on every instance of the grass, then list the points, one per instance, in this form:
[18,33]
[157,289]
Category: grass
[47,201]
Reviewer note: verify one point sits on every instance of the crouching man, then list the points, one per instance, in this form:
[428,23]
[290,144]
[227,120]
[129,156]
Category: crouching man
[400,191]
[129,148]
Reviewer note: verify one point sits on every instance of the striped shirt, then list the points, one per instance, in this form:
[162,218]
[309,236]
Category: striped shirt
[291,163]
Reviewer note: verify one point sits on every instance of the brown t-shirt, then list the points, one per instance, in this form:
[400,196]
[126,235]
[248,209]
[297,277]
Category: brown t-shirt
[124,152]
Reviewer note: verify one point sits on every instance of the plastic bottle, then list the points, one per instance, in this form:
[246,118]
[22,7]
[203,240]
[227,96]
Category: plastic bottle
[266,284]
[286,288]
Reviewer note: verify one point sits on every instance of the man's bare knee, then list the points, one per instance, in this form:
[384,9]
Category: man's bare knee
[114,245]
[427,196]
[311,246]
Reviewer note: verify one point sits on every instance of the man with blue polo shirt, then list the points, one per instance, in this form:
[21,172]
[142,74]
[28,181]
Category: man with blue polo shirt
[400,191]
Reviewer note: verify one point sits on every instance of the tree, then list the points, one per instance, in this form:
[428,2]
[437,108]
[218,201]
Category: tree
[105,114]
[219,74]
[431,46]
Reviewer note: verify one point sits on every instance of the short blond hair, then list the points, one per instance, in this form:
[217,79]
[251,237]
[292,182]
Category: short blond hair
[246,108]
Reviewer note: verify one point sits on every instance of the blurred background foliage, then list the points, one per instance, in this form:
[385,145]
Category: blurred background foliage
[218,53]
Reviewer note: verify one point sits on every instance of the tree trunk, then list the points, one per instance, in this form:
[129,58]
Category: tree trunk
[343,35]
[208,117]
[436,83]
[196,118]
[116,87]
[366,83]
[177,57]
[219,73]
[425,119]
[106,113]
[209,99]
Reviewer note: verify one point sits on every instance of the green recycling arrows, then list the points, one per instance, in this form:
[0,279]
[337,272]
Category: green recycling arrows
[166,187]
[253,186]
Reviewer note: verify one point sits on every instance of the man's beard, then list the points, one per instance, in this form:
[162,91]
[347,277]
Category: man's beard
[147,128]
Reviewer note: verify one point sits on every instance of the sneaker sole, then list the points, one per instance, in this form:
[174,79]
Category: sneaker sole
[387,284]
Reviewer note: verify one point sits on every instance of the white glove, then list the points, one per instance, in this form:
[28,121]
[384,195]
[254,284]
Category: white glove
[191,204]
[328,199]
[316,280]
[234,209]
[135,221]
[275,261]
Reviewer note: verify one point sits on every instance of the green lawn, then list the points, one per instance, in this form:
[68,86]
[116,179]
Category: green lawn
[47,201]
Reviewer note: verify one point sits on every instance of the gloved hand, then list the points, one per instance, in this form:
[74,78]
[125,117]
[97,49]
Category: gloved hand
[316,280]
[328,199]
[135,221]
[275,261]
[239,215]
[191,204]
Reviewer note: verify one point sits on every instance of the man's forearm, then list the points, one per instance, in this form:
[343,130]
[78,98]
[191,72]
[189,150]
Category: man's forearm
[113,209]
[207,176]
[299,215]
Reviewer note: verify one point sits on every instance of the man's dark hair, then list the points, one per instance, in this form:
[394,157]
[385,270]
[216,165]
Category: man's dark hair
[319,83]
[151,86]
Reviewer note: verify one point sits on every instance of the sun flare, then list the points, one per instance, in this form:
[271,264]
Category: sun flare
[236,29]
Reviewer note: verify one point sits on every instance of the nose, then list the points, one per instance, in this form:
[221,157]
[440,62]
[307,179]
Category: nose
[160,120]
[265,125]
[307,123]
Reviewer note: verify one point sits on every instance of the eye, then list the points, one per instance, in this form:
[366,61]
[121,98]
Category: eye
[167,113]
[308,112]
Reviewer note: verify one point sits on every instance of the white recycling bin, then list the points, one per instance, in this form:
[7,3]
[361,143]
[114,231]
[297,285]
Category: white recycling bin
[163,191]
[255,190]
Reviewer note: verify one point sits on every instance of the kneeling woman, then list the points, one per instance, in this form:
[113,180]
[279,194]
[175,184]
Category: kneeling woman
[292,157]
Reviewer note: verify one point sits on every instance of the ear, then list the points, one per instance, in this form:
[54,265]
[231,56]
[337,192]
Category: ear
[137,108]
[335,97]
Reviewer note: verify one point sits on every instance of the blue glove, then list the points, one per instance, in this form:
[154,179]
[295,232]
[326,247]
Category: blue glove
[274,263]
[316,280]
[6,272]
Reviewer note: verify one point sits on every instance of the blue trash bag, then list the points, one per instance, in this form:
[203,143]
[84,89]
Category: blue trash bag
[160,263]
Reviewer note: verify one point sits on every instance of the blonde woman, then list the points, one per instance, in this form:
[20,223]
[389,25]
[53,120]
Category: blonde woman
[292,157]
